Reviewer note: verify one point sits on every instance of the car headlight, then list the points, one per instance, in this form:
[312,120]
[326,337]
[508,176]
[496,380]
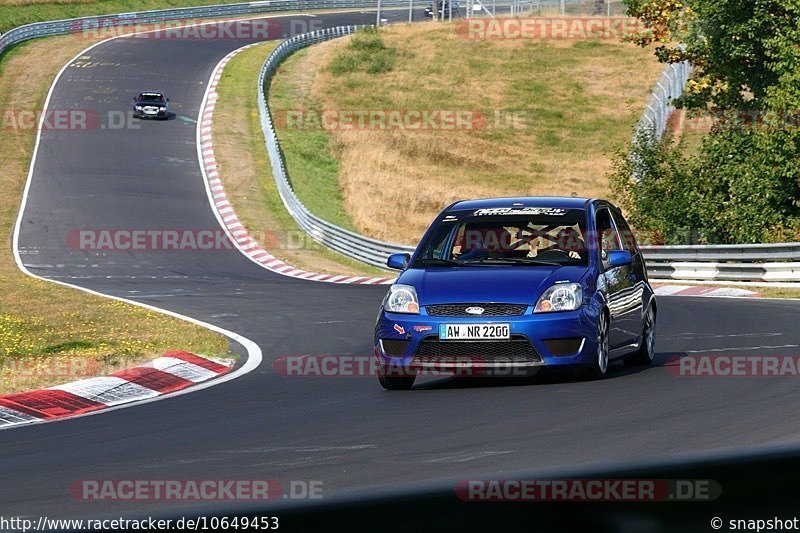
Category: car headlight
[139,108]
[401,299]
[560,297]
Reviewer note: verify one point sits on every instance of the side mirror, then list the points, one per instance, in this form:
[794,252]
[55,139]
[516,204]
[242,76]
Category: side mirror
[398,261]
[618,258]
[167,99]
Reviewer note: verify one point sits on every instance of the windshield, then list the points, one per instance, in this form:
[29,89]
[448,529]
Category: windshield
[521,237]
[151,98]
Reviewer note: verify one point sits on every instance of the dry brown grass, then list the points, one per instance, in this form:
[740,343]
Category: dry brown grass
[583,99]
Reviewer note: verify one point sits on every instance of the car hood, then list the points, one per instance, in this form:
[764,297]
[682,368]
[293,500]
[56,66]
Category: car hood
[477,284]
[151,104]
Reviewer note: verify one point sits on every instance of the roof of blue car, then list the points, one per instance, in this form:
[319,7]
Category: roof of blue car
[567,202]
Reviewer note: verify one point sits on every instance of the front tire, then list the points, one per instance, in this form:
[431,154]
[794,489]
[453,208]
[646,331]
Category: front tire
[646,352]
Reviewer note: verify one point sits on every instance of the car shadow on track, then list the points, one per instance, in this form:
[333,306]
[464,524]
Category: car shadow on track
[544,376]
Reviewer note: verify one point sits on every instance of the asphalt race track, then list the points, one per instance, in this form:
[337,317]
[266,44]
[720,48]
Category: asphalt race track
[346,432]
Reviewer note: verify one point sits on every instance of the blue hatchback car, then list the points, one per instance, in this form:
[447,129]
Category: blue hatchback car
[517,283]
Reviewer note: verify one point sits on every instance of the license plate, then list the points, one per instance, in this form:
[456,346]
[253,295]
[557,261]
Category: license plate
[474,331]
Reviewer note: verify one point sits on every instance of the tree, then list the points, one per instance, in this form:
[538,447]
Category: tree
[744,183]
[745,52]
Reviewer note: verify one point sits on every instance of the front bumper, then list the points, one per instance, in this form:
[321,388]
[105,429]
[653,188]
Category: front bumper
[151,112]
[555,339]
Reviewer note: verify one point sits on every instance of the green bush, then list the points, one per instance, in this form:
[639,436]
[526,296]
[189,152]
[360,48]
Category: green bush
[366,52]
[654,184]
[742,187]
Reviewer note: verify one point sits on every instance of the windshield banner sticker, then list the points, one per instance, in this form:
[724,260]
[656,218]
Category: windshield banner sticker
[553,211]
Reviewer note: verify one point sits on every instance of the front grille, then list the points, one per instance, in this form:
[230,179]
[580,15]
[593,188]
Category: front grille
[489,309]
[518,349]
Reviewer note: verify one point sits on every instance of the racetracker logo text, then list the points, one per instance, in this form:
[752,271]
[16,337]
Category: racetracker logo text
[734,366]
[598,490]
[346,366]
[66,120]
[128,240]
[567,28]
[740,119]
[49,366]
[194,489]
[403,119]
[129,26]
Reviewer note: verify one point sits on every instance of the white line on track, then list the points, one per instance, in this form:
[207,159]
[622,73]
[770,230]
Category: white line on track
[254,355]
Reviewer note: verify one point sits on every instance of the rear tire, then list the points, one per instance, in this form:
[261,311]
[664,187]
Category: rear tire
[646,352]
[396,382]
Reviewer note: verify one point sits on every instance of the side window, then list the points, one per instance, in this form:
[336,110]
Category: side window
[437,247]
[606,233]
[458,245]
[628,240]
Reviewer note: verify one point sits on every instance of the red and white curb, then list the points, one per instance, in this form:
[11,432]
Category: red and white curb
[169,373]
[700,290]
[225,212]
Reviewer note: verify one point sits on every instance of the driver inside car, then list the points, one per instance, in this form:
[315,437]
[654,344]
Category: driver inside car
[482,243]
[567,240]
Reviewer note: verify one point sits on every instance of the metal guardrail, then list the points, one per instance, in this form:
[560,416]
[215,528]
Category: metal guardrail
[744,253]
[109,22]
[346,242]
[727,262]
[668,87]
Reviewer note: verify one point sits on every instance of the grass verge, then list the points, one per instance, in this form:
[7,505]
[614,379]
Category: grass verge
[548,116]
[773,292]
[308,153]
[245,171]
[51,334]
